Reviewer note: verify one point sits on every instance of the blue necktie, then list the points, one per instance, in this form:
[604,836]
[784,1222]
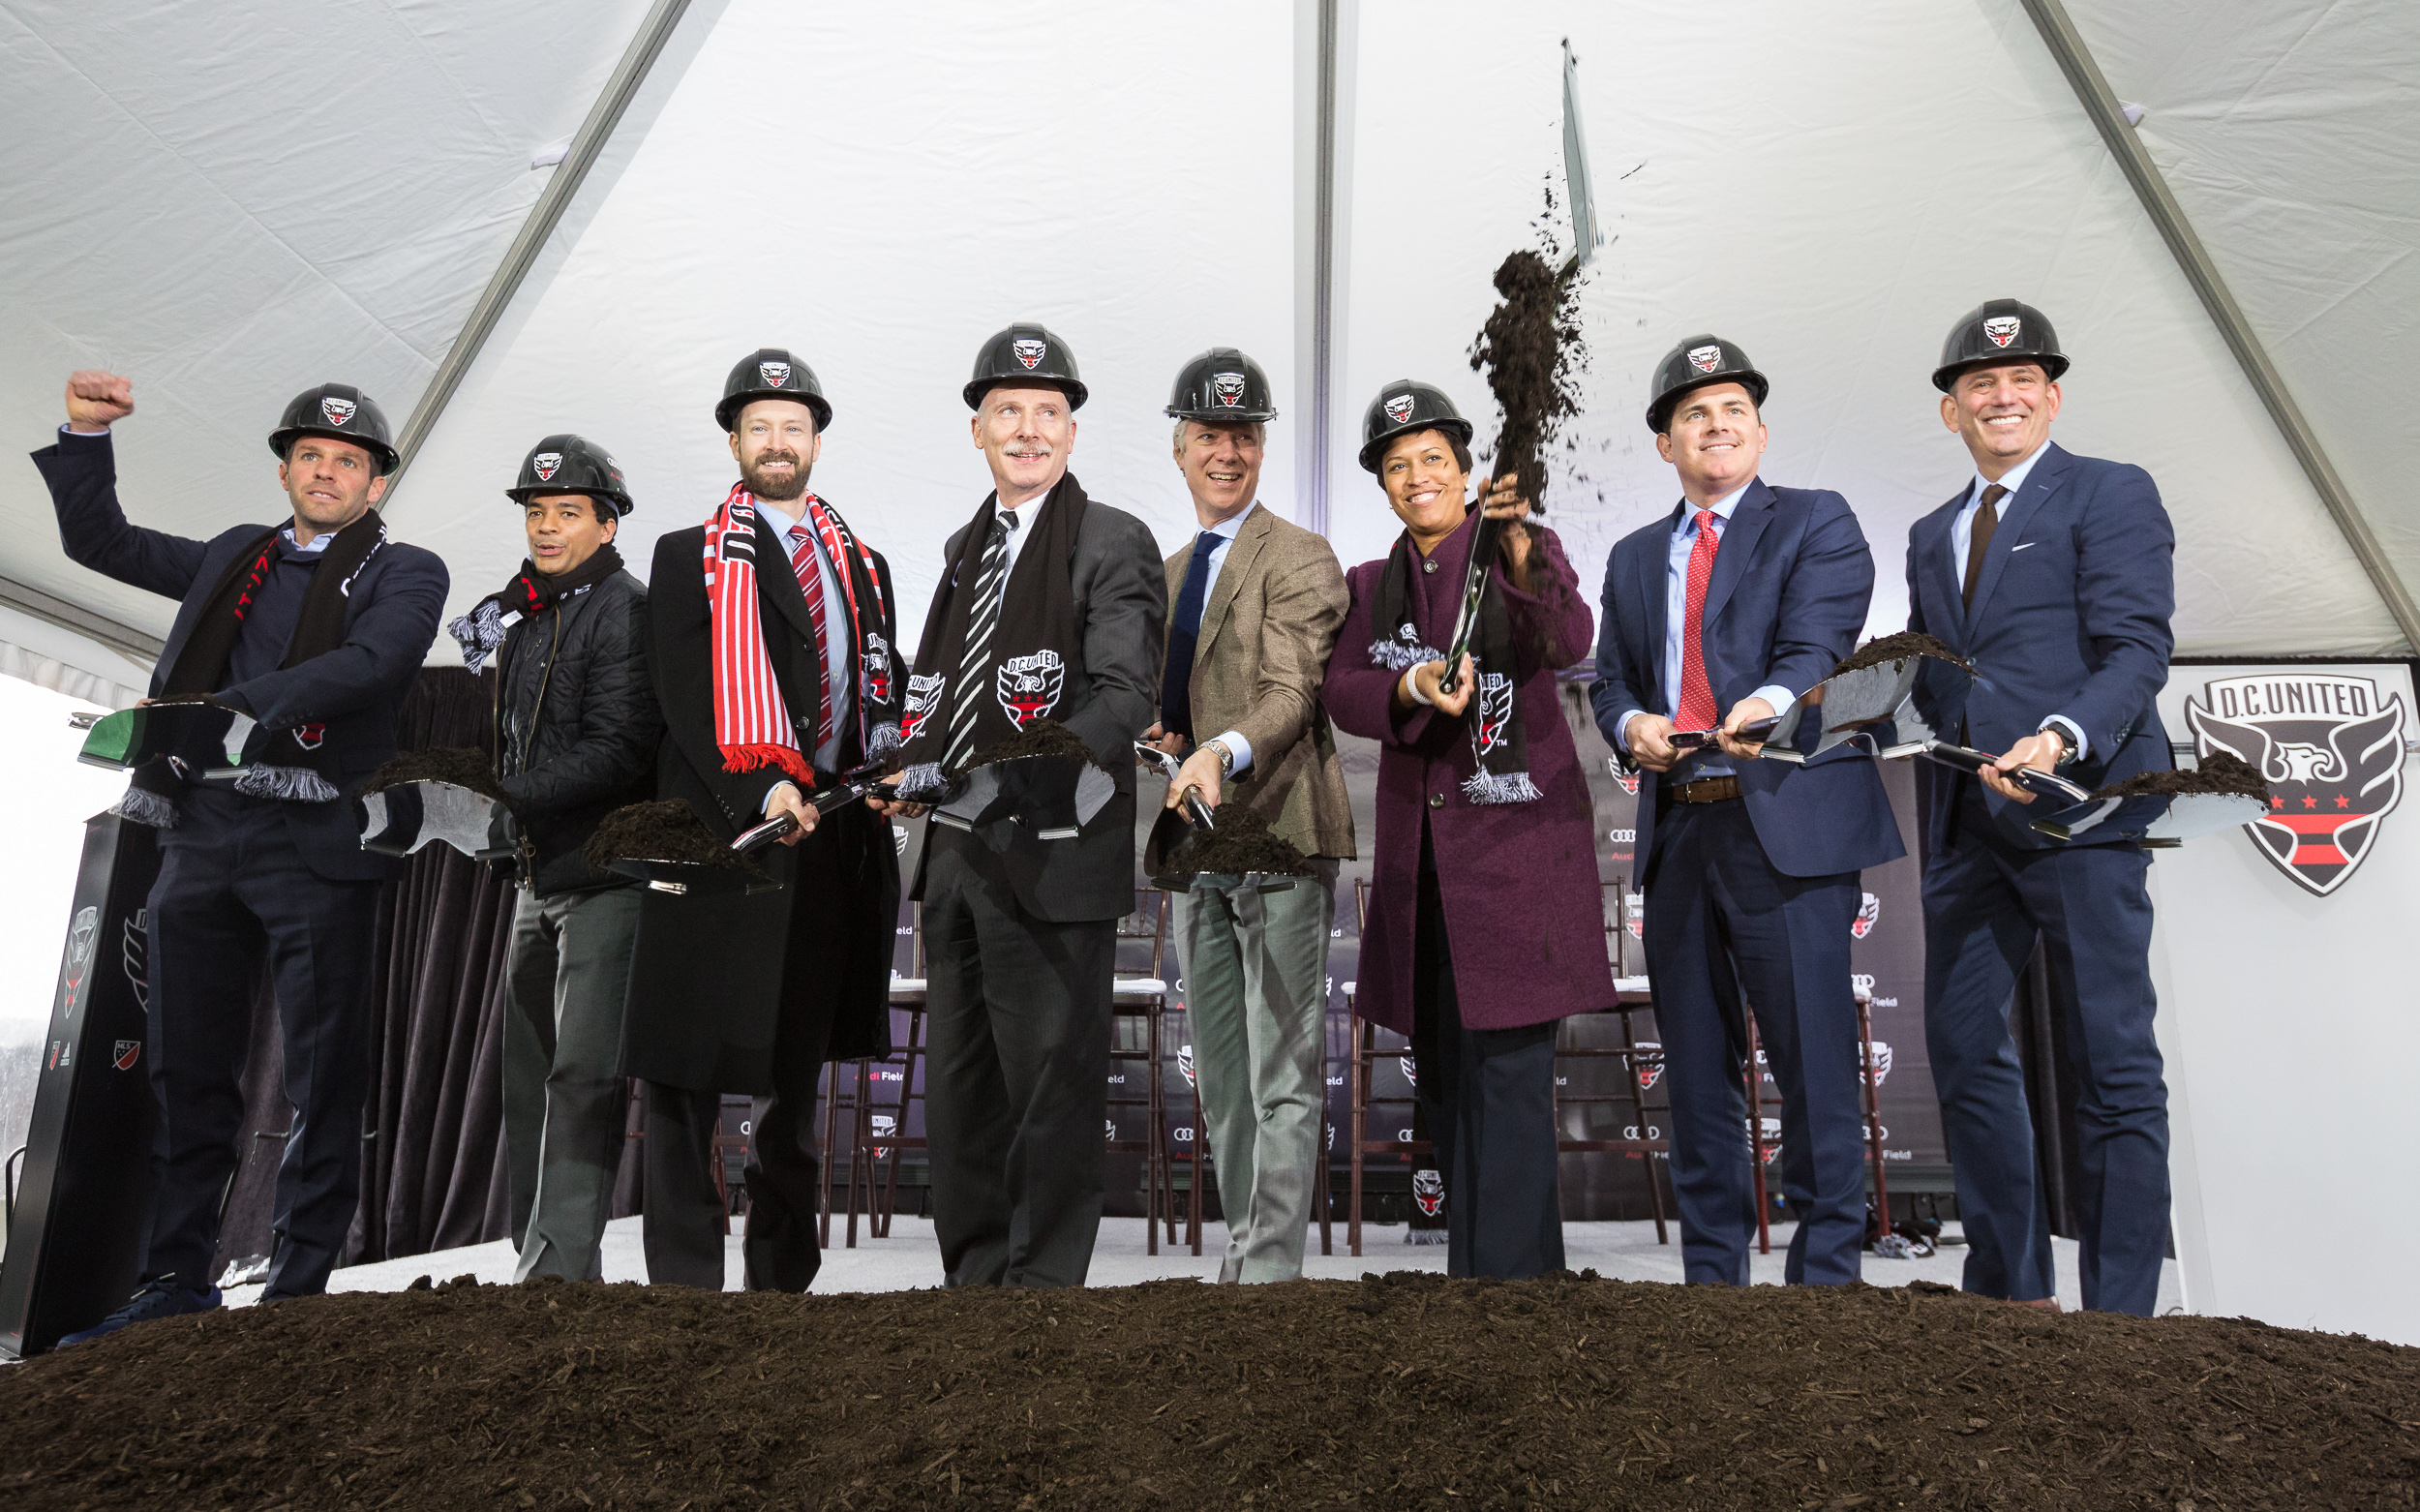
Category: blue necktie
[1176,688]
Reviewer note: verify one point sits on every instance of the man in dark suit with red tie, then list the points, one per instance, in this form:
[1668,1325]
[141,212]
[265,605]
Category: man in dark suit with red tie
[2055,574]
[773,627]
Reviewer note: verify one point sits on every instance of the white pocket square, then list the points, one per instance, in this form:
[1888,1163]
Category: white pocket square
[2027,546]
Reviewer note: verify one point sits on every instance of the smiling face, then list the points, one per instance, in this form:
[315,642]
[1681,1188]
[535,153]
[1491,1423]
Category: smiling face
[775,443]
[566,530]
[1714,440]
[1222,465]
[2001,411]
[1425,485]
[1026,435]
[331,484]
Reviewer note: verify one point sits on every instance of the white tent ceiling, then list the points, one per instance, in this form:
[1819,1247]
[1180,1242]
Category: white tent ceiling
[233,205]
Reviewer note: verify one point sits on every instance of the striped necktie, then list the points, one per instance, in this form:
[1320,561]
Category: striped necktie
[982,616]
[809,566]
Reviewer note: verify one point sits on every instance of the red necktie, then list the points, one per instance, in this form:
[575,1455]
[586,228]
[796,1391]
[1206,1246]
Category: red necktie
[1697,696]
[809,568]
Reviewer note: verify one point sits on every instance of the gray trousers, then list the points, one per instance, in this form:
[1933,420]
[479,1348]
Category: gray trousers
[1256,997]
[564,1102]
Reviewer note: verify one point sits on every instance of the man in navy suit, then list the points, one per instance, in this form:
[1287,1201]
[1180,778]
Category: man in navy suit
[1726,609]
[315,630]
[2054,575]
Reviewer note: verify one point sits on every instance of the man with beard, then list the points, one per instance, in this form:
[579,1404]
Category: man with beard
[576,733]
[1050,607]
[316,630]
[773,626]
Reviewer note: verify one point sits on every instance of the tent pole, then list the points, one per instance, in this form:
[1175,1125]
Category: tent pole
[1316,40]
[2075,60]
[585,143]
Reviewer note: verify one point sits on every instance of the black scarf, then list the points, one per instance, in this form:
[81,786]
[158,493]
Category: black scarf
[529,594]
[1033,645]
[284,763]
[1498,739]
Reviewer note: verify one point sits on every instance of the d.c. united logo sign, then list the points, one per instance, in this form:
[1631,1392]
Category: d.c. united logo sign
[2331,749]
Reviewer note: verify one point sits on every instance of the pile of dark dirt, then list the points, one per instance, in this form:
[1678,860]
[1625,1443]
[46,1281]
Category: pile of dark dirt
[1038,738]
[2219,772]
[1898,647]
[1239,843]
[1396,1392]
[669,829]
[464,768]
[1532,353]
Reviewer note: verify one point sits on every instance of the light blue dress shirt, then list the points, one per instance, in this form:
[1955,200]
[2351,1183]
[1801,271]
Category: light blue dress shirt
[1962,532]
[1676,627]
[1226,530]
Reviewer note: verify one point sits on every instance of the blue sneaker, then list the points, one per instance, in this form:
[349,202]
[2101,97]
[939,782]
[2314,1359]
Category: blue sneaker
[158,1297]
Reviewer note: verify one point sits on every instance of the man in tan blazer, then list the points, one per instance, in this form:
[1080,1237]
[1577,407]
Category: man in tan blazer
[1256,604]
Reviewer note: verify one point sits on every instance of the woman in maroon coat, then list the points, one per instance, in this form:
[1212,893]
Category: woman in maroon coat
[1486,924]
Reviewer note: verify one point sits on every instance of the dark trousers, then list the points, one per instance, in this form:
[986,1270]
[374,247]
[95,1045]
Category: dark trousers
[1018,1075]
[234,891]
[1490,1098]
[683,1219]
[1985,904]
[1722,922]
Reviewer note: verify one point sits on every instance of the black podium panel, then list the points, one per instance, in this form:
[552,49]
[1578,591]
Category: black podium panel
[77,1235]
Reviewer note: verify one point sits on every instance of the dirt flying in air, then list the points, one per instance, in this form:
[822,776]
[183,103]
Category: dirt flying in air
[1898,647]
[1532,353]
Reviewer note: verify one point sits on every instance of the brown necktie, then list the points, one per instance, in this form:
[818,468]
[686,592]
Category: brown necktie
[1979,538]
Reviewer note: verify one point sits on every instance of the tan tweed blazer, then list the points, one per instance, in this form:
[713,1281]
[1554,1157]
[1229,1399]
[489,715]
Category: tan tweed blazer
[1266,630]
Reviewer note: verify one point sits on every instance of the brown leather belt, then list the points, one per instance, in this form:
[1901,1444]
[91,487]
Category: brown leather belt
[1705,789]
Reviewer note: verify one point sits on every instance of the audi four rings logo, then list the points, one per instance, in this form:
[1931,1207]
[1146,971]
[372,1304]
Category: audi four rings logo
[776,375]
[1706,359]
[544,464]
[1227,388]
[1398,409]
[2002,329]
[1029,351]
[337,411]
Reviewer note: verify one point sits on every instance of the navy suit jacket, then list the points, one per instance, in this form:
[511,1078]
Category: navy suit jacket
[2070,617]
[356,691]
[1791,585]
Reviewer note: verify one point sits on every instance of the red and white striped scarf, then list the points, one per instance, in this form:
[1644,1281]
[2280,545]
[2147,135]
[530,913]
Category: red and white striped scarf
[751,721]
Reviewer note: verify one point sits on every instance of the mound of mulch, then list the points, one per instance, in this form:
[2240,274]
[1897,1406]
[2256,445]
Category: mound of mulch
[1038,738]
[2219,772]
[1531,350]
[669,829]
[464,767]
[1239,843]
[1898,647]
[1402,1391]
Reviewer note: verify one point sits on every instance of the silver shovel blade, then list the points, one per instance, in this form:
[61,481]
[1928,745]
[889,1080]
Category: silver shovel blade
[1586,235]
[449,815]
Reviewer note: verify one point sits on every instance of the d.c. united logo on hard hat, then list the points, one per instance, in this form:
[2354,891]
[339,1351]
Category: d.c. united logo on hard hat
[1029,351]
[776,375]
[1706,359]
[336,411]
[2002,329]
[1398,409]
[2330,747]
[544,464]
[1227,388]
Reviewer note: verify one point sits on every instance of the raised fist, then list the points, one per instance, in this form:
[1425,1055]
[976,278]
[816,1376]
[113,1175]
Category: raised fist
[98,400]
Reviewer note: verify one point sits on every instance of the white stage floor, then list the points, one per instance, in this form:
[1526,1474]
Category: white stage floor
[911,1259]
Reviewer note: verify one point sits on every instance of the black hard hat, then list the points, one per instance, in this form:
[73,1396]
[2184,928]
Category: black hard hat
[1402,407]
[340,410]
[569,463]
[1222,384]
[1999,330]
[1693,364]
[1025,353]
[770,373]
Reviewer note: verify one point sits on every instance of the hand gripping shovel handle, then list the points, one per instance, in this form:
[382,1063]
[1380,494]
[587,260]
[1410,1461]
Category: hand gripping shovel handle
[831,798]
[1473,585]
[1194,808]
[1754,732]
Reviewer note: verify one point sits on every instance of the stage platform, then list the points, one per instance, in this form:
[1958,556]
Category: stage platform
[911,1259]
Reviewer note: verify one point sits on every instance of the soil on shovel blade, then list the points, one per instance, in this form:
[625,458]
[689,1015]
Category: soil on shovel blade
[2219,772]
[1401,1391]
[1038,738]
[1898,647]
[463,767]
[669,829]
[1239,843]
[1532,354]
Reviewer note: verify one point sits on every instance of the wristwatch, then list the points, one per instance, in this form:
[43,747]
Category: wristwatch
[2067,742]
[1226,758]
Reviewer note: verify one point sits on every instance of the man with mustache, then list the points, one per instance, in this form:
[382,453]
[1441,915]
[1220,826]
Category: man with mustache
[2055,574]
[1050,607]
[772,632]
[316,630]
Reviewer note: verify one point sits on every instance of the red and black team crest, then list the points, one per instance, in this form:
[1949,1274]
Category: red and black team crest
[775,375]
[1184,1063]
[1029,351]
[334,410]
[1229,389]
[79,937]
[1398,409]
[544,464]
[2002,329]
[1488,731]
[1648,1063]
[924,696]
[1706,359]
[877,664]
[126,1055]
[2331,749]
[1029,686]
[1428,1188]
[1868,913]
